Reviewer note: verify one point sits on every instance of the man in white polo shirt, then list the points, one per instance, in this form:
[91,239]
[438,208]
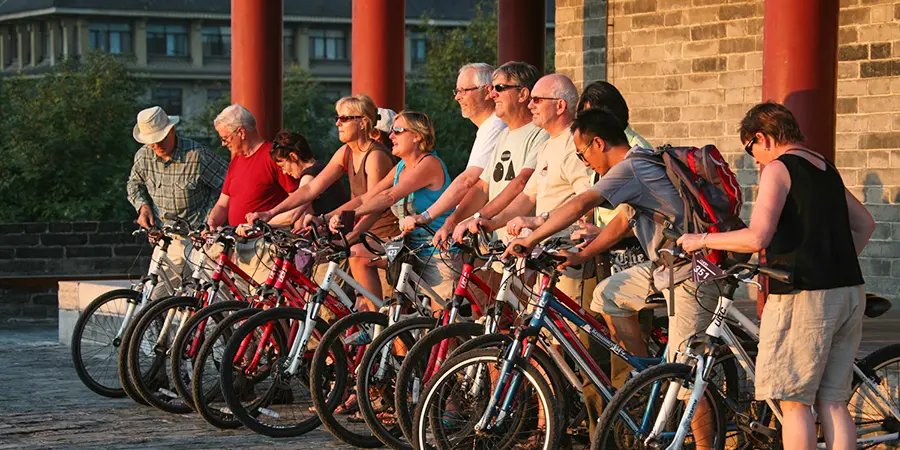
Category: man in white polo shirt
[472,92]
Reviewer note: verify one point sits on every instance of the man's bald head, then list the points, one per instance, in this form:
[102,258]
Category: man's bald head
[553,102]
[563,87]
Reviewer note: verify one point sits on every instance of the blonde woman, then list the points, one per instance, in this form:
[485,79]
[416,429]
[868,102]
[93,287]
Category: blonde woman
[365,161]
[414,184]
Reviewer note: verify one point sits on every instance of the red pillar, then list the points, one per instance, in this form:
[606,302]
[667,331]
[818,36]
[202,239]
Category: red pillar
[800,71]
[378,55]
[800,65]
[256,61]
[522,32]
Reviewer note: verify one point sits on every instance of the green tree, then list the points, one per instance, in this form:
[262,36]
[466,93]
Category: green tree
[66,147]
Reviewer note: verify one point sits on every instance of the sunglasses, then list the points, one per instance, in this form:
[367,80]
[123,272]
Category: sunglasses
[538,100]
[398,130]
[580,152]
[503,87]
[749,147]
[462,91]
[343,119]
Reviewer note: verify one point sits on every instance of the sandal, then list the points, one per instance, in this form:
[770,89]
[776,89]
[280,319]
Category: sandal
[349,406]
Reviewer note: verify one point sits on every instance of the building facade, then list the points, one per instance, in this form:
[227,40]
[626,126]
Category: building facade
[184,47]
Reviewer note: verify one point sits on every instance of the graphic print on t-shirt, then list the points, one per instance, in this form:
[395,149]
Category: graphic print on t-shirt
[504,167]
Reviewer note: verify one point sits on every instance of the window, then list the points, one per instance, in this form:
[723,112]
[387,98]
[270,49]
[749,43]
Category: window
[114,38]
[288,44]
[167,98]
[214,95]
[217,41]
[328,45]
[167,40]
[418,48]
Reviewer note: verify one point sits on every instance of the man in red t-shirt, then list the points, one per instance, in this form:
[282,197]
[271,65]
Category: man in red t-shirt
[253,182]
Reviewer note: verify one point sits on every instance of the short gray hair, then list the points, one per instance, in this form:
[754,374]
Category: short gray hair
[235,116]
[483,72]
[520,73]
[564,88]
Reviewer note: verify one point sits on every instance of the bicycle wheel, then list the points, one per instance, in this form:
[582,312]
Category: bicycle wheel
[412,374]
[96,341]
[378,374]
[205,388]
[187,344]
[348,338]
[260,388]
[148,352]
[641,398]
[873,419]
[124,373]
[456,398]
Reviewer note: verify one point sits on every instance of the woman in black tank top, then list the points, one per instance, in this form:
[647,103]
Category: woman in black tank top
[293,155]
[812,226]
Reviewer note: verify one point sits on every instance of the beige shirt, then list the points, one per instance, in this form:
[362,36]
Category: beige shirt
[516,150]
[559,175]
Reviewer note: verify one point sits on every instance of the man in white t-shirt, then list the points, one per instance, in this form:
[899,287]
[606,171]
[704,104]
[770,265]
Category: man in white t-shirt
[515,157]
[559,176]
[472,92]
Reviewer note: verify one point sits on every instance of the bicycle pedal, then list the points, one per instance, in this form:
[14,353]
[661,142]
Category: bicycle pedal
[759,428]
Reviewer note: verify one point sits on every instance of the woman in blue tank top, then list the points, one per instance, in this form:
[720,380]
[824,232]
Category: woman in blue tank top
[416,182]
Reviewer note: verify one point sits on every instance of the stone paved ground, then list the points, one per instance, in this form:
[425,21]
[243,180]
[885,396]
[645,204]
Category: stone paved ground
[44,405]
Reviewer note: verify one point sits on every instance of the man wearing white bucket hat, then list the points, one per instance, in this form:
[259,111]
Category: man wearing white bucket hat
[172,174]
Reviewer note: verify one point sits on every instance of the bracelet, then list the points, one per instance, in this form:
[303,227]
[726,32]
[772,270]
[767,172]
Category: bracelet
[427,216]
[703,240]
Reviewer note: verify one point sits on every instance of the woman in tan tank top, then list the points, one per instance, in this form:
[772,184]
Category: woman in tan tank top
[365,161]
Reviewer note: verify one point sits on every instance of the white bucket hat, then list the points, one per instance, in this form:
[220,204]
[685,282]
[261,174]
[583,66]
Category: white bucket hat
[385,119]
[153,125]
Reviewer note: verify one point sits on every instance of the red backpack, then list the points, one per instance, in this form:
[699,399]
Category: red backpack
[710,190]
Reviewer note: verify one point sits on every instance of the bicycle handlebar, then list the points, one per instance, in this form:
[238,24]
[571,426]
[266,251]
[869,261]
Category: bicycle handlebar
[734,267]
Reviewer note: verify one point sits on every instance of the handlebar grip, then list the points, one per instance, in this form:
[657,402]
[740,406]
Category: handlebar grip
[671,234]
[170,216]
[777,274]
[364,238]
[518,248]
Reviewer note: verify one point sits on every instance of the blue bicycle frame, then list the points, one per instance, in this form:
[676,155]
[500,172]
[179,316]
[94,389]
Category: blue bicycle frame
[552,307]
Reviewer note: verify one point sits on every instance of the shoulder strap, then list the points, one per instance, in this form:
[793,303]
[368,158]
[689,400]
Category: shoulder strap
[347,159]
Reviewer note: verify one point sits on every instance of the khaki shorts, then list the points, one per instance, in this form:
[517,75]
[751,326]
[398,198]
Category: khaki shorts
[807,344]
[626,292]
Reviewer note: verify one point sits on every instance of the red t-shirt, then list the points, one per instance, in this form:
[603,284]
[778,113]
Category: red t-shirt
[255,184]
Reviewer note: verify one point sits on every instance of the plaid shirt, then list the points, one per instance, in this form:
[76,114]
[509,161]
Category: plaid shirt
[188,184]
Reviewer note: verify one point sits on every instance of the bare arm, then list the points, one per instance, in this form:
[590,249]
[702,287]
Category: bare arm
[309,192]
[508,194]
[561,218]
[219,213]
[522,205]
[610,235]
[476,198]
[456,191]
[426,173]
[287,218]
[862,225]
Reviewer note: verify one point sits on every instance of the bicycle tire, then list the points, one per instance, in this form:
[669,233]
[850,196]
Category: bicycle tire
[415,364]
[124,372]
[605,434]
[364,383]
[180,362]
[434,393]
[204,390]
[277,392]
[889,386]
[81,353]
[154,384]
[326,405]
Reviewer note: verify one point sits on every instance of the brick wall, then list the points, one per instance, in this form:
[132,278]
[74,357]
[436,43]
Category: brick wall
[61,248]
[690,69]
[581,40]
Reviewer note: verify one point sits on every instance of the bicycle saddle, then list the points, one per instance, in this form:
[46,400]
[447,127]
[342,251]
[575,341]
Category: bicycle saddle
[656,298]
[876,305]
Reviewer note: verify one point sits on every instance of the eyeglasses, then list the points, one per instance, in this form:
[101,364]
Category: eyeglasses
[749,147]
[462,91]
[538,100]
[580,152]
[226,141]
[342,119]
[399,130]
[503,87]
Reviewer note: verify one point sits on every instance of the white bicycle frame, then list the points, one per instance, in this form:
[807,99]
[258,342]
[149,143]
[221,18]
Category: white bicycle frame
[157,258]
[719,328]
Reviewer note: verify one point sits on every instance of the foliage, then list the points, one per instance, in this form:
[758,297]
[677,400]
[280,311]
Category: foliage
[66,146]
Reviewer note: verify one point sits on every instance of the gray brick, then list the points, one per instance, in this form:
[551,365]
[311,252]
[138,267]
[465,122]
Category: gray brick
[35,227]
[882,232]
[7,253]
[11,228]
[35,311]
[875,267]
[111,239]
[882,249]
[106,227]
[116,265]
[131,250]
[45,299]
[885,213]
[895,268]
[85,227]
[88,252]
[23,266]
[64,239]
[70,266]
[60,227]
[39,252]
[12,240]
[15,296]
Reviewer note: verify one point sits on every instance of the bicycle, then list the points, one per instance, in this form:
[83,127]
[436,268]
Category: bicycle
[666,422]
[100,329]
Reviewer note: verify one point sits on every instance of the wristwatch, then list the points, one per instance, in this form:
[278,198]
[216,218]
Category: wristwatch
[427,216]
[545,215]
